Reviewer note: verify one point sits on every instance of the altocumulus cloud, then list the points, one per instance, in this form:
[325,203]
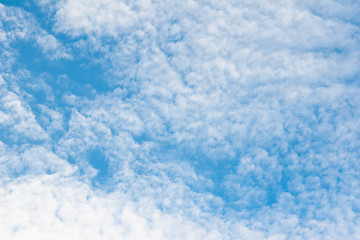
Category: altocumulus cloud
[179,119]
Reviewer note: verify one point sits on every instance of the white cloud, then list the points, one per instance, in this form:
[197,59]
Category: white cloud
[21,25]
[56,207]
[264,95]
[17,120]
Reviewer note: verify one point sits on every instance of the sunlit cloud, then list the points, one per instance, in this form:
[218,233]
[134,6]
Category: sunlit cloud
[179,120]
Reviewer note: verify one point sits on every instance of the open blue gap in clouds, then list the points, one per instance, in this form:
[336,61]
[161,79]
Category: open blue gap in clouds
[234,127]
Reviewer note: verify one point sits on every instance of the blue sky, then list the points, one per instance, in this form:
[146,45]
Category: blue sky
[179,119]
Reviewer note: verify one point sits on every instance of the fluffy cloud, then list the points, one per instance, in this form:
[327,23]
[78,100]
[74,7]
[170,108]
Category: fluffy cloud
[17,120]
[218,120]
[20,25]
[50,206]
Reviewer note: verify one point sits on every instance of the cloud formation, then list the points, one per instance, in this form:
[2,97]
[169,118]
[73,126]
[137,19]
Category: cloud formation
[192,120]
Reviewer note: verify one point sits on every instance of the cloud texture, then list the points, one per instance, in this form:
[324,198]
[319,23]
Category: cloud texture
[179,120]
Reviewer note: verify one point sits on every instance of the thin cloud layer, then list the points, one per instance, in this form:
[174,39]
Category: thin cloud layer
[191,120]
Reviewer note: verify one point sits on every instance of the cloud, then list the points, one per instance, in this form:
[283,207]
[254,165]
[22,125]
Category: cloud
[49,206]
[19,25]
[16,117]
[218,120]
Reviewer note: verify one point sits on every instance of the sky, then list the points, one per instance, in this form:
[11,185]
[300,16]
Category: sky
[193,119]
